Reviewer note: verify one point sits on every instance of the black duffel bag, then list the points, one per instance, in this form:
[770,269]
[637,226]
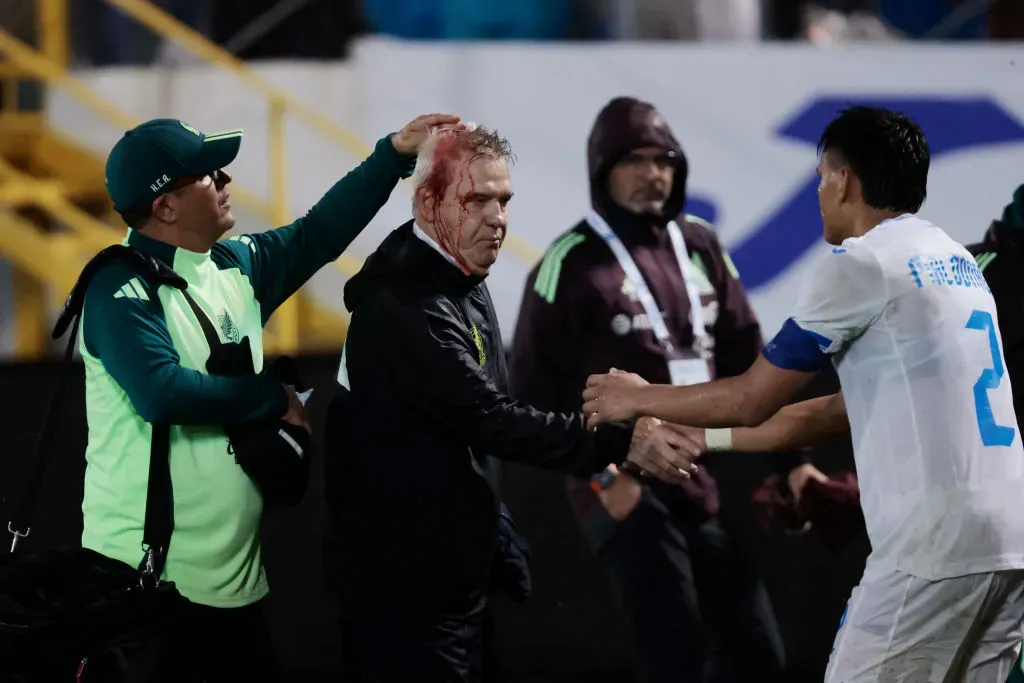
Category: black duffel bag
[72,614]
[274,453]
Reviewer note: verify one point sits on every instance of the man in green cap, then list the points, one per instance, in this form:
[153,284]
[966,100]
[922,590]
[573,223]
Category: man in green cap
[145,356]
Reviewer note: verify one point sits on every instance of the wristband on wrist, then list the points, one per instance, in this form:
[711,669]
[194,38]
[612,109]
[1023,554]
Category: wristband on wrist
[718,439]
[603,480]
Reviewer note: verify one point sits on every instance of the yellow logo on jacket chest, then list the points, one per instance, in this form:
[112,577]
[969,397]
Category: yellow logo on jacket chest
[479,342]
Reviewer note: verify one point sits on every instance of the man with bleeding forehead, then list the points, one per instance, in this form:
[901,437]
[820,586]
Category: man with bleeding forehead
[417,534]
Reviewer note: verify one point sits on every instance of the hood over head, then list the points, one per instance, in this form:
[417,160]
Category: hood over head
[625,124]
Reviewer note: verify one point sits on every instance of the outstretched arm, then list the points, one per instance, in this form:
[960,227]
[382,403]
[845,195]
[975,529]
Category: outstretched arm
[434,366]
[845,295]
[795,427]
[281,261]
[746,400]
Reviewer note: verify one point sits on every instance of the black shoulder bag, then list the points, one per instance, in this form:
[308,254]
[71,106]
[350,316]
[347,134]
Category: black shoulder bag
[274,453]
[74,614]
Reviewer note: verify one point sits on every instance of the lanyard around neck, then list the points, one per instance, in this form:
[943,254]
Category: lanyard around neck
[643,292]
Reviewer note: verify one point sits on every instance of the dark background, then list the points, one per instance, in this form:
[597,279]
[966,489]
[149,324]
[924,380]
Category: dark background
[570,629]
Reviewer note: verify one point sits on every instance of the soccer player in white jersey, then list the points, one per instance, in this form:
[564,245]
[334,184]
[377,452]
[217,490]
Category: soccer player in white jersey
[904,314]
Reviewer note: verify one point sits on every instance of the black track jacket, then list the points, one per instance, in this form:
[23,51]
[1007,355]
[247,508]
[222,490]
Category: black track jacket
[412,480]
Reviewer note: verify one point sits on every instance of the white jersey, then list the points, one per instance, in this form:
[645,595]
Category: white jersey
[910,324]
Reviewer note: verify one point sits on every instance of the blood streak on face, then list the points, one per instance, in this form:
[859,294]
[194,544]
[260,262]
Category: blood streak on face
[450,166]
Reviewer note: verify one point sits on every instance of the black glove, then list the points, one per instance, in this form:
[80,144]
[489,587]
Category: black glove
[510,571]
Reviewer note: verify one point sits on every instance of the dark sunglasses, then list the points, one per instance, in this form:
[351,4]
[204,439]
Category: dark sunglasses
[216,176]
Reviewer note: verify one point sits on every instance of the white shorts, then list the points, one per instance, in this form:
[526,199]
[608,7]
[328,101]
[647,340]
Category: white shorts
[901,628]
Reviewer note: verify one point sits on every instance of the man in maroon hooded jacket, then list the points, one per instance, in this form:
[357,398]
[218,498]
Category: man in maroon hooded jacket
[621,289]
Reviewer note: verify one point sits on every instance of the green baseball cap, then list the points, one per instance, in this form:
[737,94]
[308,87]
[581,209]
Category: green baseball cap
[147,160]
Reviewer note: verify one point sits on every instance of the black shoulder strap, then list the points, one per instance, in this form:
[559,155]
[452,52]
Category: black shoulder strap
[159,501]
[209,331]
[19,525]
[159,522]
[152,269]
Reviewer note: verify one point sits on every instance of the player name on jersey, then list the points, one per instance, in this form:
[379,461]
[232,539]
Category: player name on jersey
[955,271]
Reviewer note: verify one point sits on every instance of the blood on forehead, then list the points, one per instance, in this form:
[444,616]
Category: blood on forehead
[450,165]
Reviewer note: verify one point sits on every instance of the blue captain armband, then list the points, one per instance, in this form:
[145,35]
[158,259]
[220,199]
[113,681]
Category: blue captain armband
[795,348]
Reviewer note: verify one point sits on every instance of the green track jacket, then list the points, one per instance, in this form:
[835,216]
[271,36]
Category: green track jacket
[145,358]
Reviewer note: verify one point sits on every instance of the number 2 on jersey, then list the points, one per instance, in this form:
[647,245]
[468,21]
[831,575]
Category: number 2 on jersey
[992,434]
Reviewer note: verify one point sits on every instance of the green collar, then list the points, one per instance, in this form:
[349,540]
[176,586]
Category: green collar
[184,262]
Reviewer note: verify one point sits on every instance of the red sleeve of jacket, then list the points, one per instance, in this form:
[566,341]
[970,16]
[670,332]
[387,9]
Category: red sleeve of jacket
[543,364]
[737,331]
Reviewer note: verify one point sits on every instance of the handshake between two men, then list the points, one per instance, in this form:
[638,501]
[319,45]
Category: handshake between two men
[660,449]
[805,493]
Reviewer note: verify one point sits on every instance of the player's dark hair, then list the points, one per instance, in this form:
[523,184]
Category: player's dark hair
[887,151]
[136,217]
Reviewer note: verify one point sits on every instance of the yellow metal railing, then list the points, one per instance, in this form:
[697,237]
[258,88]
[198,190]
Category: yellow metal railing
[24,243]
[284,332]
[19,238]
[39,66]
[10,76]
[20,189]
[50,65]
[56,259]
[199,45]
[279,105]
[52,17]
